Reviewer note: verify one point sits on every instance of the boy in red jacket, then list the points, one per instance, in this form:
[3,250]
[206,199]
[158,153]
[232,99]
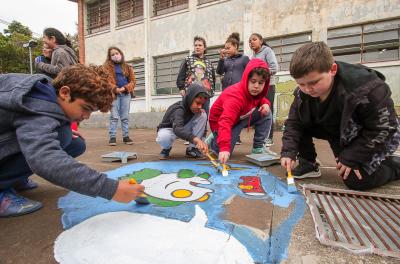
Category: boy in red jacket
[239,106]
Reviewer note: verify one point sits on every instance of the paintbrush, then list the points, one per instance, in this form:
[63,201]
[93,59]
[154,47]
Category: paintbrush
[220,168]
[142,198]
[291,187]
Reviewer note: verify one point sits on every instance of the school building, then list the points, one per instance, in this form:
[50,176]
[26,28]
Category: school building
[155,36]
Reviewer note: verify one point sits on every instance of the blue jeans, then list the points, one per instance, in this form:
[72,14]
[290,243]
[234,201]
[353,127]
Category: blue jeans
[14,168]
[197,125]
[120,110]
[261,124]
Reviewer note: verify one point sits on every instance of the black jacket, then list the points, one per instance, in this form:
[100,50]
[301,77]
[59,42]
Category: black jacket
[232,68]
[369,127]
[179,114]
[187,73]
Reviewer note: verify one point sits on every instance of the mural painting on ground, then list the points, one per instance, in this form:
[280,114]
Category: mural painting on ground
[184,222]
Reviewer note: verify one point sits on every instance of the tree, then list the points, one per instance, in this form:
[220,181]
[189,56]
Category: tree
[17,27]
[14,57]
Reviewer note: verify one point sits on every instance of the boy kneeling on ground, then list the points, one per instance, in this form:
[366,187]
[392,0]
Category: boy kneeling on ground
[186,120]
[350,107]
[239,106]
[35,135]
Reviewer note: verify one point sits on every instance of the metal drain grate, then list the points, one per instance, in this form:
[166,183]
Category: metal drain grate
[358,221]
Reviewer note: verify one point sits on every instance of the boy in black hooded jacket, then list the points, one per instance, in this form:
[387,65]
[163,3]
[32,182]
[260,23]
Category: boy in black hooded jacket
[350,107]
[187,120]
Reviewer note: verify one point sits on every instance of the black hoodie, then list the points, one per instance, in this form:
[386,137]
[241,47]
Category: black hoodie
[369,129]
[179,114]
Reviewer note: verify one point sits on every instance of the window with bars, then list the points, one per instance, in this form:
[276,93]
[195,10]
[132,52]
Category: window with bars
[166,70]
[129,11]
[369,42]
[98,16]
[161,7]
[284,47]
[138,68]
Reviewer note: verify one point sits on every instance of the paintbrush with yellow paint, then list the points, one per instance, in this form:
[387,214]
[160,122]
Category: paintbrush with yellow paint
[142,198]
[223,168]
[291,187]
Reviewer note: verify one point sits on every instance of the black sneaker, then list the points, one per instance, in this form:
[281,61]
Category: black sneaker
[194,153]
[164,154]
[127,141]
[306,169]
[112,141]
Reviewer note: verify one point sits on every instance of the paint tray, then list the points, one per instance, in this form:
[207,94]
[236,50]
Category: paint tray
[119,156]
[263,160]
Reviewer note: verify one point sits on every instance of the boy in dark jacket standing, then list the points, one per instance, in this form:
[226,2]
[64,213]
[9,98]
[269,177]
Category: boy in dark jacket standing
[187,120]
[350,107]
[35,135]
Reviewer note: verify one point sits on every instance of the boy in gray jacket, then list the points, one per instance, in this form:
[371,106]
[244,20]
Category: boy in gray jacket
[35,135]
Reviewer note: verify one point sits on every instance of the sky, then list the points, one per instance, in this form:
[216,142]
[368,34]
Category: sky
[40,14]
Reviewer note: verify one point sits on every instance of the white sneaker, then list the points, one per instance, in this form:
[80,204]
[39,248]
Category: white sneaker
[268,142]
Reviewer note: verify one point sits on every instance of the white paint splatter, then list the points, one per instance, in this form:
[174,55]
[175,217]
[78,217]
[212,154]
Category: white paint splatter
[125,237]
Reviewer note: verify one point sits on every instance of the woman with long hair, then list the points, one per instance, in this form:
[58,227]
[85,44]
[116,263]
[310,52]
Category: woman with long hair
[122,78]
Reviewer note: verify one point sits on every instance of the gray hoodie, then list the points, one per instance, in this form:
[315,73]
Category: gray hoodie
[29,125]
[268,55]
[61,57]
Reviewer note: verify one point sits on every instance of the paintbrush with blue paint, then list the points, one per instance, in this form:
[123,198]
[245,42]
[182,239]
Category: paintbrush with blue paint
[142,198]
[291,187]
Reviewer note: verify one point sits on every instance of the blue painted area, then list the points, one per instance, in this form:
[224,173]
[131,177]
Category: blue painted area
[77,208]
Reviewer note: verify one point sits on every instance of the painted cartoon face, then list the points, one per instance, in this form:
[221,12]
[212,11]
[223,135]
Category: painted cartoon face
[170,187]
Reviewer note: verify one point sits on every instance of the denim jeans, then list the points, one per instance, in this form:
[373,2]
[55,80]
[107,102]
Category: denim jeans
[120,110]
[261,124]
[197,125]
[14,168]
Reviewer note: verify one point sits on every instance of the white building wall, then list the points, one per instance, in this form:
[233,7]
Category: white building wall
[174,32]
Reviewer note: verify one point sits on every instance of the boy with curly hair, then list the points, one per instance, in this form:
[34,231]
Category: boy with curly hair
[35,135]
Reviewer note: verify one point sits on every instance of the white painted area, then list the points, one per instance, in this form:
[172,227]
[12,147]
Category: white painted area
[165,185]
[125,237]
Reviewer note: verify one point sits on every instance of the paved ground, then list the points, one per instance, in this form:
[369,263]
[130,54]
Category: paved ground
[30,238]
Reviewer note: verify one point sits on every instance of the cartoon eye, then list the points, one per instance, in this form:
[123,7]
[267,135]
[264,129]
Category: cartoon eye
[181,193]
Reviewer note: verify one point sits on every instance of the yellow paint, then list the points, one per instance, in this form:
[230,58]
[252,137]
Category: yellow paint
[203,198]
[245,187]
[182,193]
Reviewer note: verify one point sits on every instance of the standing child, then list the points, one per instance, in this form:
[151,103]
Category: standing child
[45,58]
[35,136]
[262,51]
[197,68]
[122,78]
[231,63]
[62,53]
[187,120]
[239,106]
[350,107]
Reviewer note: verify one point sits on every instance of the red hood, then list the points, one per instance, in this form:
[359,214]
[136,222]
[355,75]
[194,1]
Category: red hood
[254,63]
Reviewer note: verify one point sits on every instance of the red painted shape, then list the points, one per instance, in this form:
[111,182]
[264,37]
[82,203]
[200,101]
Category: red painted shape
[251,185]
